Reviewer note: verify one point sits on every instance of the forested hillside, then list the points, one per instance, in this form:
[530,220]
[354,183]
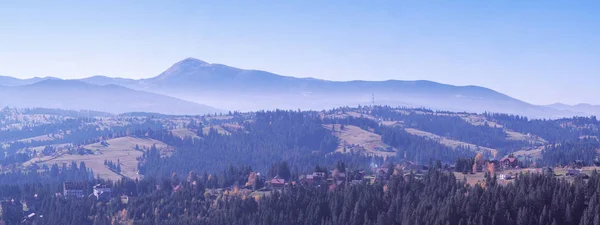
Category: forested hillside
[434,198]
[406,166]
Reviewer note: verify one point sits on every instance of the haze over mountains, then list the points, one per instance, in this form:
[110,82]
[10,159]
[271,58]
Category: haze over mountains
[78,95]
[191,84]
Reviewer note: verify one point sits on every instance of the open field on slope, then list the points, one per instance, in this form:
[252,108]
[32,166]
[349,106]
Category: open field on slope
[358,115]
[119,149]
[479,120]
[366,142]
[44,137]
[529,154]
[532,139]
[183,133]
[448,142]
[58,147]
[392,123]
[219,129]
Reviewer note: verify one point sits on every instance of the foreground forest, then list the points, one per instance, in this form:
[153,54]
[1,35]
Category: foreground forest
[224,169]
[433,198]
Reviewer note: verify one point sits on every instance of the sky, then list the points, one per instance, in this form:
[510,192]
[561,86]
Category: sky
[538,51]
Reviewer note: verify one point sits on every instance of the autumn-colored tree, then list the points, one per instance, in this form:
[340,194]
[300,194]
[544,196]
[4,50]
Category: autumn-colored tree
[251,179]
[478,162]
[335,173]
[491,168]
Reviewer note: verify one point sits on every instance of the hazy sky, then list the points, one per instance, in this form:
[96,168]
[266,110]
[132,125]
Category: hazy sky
[538,51]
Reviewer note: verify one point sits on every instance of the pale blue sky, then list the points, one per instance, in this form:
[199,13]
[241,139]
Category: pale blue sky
[538,51]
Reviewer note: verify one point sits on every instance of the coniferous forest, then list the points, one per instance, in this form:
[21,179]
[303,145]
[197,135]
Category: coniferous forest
[293,167]
[433,198]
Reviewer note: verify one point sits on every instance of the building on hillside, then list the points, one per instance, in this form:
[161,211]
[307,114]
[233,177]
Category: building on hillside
[577,164]
[573,172]
[548,171]
[319,174]
[102,192]
[277,182]
[408,166]
[124,199]
[505,177]
[74,189]
[509,163]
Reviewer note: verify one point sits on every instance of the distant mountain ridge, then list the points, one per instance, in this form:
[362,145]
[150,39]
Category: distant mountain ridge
[581,108]
[233,88]
[79,95]
[11,81]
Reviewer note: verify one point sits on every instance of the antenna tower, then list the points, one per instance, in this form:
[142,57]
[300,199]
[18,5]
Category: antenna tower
[373,99]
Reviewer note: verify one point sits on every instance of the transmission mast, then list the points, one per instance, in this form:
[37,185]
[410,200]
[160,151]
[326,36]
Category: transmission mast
[373,100]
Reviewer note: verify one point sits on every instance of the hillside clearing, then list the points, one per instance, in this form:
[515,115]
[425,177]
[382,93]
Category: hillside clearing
[532,154]
[532,139]
[121,149]
[47,137]
[479,120]
[449,142]
[358,140]
[218,128]
[183,133]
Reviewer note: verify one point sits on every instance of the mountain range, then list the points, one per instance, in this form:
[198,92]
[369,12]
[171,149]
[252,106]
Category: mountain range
[79,95]
[190,85]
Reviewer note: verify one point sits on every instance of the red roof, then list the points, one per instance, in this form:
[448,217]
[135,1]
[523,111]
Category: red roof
[277,181]
[509,159]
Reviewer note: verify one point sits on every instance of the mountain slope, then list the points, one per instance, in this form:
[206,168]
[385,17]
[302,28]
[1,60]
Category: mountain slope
[11,81]
[71,94]
[233,88]
[584,109]
[104,80]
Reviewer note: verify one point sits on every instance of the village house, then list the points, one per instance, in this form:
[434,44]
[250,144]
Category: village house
[415,167]
[548,171]
[102,192]
[124,199]
[573,172]
[74,190]
[577,164]
[277,183]
[505,177]
[319,174]
[509,162]
[316,178]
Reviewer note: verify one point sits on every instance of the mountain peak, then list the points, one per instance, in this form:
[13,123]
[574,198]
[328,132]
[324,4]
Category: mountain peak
[187,67]
[191,61]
